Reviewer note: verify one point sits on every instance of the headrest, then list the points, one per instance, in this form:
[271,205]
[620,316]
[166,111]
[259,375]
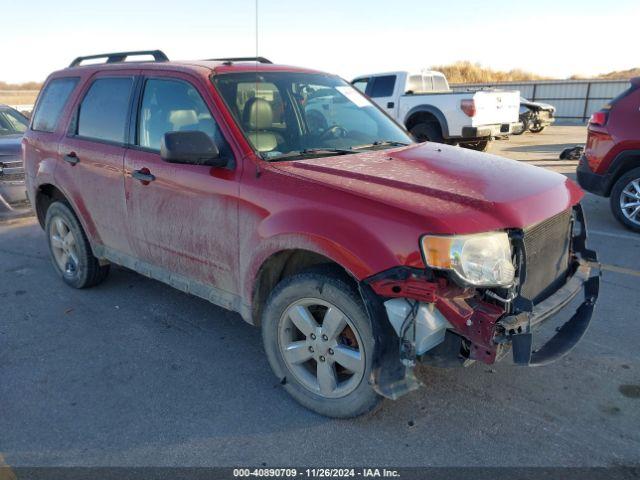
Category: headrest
[257,114]
[263,141]
[183,118]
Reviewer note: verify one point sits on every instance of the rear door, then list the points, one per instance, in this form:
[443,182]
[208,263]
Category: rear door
[92,154]
[183,218]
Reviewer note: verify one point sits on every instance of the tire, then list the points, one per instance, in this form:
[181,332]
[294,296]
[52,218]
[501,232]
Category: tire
[70,250]
[480,146]
[303,300]
[427,132]
[525,125]
[627,189]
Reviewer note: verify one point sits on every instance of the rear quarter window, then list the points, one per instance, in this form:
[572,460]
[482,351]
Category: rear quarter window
[52,102]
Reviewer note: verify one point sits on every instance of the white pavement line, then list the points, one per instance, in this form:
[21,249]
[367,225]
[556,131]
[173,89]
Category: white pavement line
[614,235]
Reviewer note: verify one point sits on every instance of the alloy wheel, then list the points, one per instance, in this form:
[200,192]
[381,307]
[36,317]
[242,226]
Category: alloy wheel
[630,201]
[63,246]
[321,347]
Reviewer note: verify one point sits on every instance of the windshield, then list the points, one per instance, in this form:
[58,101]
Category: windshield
[286,115]
[12,122]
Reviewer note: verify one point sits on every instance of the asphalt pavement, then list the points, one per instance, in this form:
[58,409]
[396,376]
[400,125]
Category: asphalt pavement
[135,373]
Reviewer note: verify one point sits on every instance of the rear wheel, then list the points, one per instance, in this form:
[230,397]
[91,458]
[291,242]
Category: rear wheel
[70,250]
[319,341]
[427,132]
[480,146]
[625,199]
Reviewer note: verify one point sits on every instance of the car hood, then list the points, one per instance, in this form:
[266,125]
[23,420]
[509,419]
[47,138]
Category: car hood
[10,145]
[450,189]
[538,105]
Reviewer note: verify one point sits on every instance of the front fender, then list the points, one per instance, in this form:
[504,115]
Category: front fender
[359,250]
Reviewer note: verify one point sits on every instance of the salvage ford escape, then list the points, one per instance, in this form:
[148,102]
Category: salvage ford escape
[357,251]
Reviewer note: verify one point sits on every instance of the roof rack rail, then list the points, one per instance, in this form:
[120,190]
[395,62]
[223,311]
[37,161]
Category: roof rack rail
[229,61]
[158,56]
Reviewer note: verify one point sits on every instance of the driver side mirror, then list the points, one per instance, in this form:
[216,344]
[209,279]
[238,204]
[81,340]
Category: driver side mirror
[192,148]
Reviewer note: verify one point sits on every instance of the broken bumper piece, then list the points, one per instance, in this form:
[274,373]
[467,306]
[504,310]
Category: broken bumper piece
[519,327]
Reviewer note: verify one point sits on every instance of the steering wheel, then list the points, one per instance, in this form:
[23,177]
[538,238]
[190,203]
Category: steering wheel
[335,131]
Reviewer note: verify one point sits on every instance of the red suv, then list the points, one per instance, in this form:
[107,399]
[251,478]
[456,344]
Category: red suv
[610,165]
[285,195]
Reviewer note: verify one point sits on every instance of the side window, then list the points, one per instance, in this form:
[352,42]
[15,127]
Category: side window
[53,99]
[420,84]
[361,84]
[174,106]
[383,86]
[104,110]
[10,122]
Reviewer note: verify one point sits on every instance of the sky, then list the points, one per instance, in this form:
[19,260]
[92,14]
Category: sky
[552,38]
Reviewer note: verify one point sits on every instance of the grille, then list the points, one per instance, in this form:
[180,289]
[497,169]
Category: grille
[547,248]
[11,169]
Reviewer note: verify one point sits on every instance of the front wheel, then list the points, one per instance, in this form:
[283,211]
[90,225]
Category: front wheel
[319,341]
[625,199]
[537,129]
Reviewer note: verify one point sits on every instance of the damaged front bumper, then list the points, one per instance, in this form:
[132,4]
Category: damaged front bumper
[480,329]
[13,196]
[584,278]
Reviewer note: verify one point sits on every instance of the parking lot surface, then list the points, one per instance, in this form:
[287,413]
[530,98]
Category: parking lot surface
[135,373]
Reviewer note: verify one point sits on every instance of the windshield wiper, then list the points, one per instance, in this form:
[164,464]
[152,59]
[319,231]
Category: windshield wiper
[309,152]
[381,143]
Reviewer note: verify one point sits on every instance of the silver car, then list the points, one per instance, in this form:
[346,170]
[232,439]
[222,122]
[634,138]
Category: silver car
[13,198]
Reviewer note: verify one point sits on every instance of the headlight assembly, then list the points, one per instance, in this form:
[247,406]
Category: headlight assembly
[482,259]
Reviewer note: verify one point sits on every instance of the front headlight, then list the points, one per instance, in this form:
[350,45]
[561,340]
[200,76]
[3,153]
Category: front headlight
[482,259]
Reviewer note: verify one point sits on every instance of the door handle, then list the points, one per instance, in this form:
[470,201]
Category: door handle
[390,104]
[143,175]
[71,158]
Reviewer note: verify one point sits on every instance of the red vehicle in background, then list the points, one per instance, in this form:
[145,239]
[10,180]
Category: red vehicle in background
[357,251]
[610,165]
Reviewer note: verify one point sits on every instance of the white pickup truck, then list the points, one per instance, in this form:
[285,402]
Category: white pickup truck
[430,110]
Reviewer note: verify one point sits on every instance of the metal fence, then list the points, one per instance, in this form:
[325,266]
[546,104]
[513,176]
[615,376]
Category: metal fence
[575,100]
[21,100]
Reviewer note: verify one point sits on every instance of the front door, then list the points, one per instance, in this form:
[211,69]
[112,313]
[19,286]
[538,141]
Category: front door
[382,91]
[183,218]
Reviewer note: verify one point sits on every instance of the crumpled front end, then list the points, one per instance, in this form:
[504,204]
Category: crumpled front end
[426,316]
[13,196]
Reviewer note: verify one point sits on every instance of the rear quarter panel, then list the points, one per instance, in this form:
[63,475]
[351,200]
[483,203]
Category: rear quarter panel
[40,149]
[619,135]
